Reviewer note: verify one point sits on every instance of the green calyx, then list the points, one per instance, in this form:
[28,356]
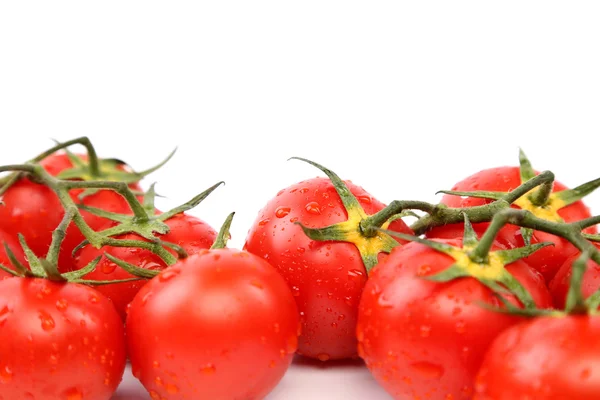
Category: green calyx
[476,260]
[220,243]
[368,244]
[145,223]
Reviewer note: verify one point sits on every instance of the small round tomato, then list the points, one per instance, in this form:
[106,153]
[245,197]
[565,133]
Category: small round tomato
[190,232]
[5,238]
[426,339]
[58,341]
[221,324]
[547,358]
[559,286]
[35,211]
[326,277]
[505,179]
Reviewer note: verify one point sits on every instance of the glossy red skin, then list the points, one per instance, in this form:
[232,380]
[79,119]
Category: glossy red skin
[219,325]
[547,358]
[58,342]
[503,179]
[188,231]
[16,249]
[559,286]
[422,339]
[35,211]
[326,278]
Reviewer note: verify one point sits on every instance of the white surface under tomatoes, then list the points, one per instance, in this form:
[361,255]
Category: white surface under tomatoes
[306,379]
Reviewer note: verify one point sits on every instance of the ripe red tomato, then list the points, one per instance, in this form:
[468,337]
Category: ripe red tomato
[547,358]
[221,324]
[504,179]
[190,232]
[35,211]
[326,277]
[559,286]
[425,339]
[58,341]
[16,249]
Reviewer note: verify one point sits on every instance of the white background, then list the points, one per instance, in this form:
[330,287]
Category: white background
[404,98]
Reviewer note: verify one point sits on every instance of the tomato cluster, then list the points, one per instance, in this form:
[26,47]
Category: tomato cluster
[93,276]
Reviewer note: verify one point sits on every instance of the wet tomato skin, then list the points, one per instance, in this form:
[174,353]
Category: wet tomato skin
[547,358]
[58,341]
[327,277]
[422,339]
[505,179]
[221,324]
[188,231]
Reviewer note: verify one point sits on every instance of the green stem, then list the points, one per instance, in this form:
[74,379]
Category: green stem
[482,250]
[542,194]
[369,225]
[120,187]
[586,223]
[543,178]
[58,236]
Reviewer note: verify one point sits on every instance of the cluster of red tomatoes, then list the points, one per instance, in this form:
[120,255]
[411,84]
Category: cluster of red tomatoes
[225,323]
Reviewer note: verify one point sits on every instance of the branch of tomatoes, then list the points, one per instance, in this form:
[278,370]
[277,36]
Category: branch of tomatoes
[88,175]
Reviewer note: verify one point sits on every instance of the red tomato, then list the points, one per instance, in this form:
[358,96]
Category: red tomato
[424,339]
[504,179]
[35,211]
[187,231]
[221,324]
[548,358]
[559,286]
[326,278]
[16,249]
[58,341]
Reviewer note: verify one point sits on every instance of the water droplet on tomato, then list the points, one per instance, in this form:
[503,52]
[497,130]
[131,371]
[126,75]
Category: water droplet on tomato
[154,395]
[423,270]
[74,394]
[257,284]
[361,350]
[280,192]
[585,374]
[428,370]
[4,313]
[208,369]
[461,327]
[295,291]
[108,267]
[313,207]
[145,298]
[171,389]
[94,298]
[425,331]
[281,212]
[348,300]
[365,199]
[303,190]
[53,359]
[6,374]
[384,302]
[356,275]
[291,344]
[62,304]
[263,222]
[168,275]
[47,321]
[323,357]
[341,317]
[334,325]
